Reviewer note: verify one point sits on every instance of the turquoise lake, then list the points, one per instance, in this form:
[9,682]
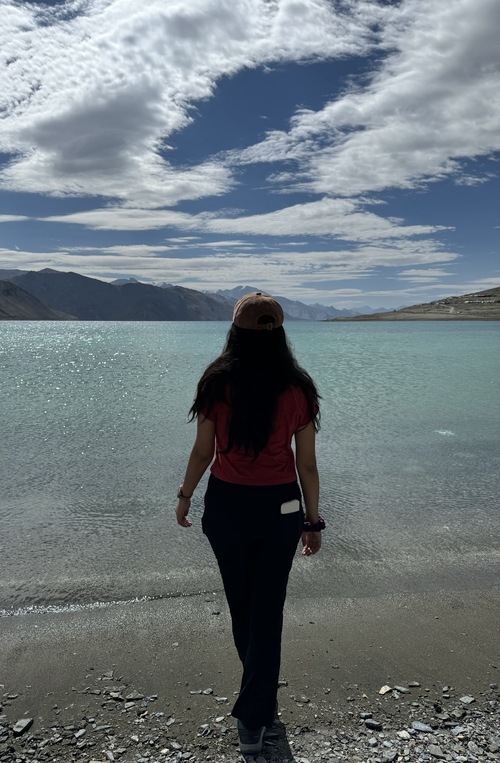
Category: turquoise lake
[94,442]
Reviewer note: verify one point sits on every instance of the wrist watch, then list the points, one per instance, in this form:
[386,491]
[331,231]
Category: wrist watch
[180,494]
[314,527]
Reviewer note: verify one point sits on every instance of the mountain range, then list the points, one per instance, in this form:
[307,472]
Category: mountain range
[79,297]
[56,295]
[90,299]
[298,310]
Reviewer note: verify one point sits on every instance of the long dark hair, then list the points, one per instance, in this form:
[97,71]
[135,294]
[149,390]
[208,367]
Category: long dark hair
[254,368]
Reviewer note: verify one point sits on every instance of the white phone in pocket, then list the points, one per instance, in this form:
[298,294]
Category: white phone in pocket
[290,507]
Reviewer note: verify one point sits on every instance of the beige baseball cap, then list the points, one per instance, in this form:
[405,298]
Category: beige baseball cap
[252,310]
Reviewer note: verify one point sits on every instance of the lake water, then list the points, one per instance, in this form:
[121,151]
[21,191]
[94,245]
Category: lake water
[94,442]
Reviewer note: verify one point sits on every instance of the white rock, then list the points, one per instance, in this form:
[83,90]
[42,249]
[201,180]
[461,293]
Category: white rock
[467,699]
[403,734]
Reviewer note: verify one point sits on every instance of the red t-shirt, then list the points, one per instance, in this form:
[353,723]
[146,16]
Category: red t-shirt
[275,464]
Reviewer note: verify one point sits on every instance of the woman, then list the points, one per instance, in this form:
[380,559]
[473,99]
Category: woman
[250,403]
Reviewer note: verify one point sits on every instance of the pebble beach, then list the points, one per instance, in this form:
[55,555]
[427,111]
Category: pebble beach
[397,678]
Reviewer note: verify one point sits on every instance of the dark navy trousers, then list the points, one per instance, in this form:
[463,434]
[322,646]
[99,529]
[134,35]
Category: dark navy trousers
[254,543]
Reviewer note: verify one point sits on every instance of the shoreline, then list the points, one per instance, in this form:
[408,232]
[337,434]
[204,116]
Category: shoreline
[337,654]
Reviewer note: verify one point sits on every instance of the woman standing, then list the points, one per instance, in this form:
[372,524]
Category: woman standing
[251,402]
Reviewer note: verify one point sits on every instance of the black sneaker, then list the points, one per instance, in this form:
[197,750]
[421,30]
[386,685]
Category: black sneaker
[250,739]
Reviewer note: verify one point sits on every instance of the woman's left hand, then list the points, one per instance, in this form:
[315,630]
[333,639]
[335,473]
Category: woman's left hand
[311,543]
[182,511]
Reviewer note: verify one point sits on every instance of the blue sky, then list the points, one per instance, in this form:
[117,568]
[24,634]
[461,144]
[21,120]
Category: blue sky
[336,152]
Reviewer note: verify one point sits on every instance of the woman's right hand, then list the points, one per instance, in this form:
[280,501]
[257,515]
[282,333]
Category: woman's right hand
[311,543]
[182,511]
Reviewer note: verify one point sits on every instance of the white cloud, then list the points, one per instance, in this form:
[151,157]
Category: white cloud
[345,219]
[126,218]
[89,97]
[434,100]
[92,91]
[423,275]
[279,270]
[342,218]
[12,218]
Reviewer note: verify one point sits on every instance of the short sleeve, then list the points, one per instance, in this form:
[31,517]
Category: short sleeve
[302,409]
[209,413]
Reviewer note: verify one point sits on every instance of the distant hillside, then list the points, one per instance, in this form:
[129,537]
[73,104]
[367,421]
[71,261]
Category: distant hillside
[479,306]
[90,299]
[16,304]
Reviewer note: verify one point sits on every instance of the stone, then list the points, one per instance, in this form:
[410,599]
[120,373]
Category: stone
[370,723]
[403,734]
[389,756]
[384,689]
[402,689]
[423,727]
[467,700]
[22,725]
[79,733]
[436,751]
[474,748]
[134,696]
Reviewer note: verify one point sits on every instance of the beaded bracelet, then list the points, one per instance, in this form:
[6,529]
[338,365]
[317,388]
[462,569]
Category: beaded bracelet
[314,527]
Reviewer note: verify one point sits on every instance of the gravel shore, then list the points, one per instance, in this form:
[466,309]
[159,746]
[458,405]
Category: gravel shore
[111,721]
[413,678]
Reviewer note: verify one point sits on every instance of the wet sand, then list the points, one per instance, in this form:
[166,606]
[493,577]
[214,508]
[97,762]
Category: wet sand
[337,654]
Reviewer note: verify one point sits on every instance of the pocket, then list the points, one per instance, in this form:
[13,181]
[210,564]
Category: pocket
[290,507]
